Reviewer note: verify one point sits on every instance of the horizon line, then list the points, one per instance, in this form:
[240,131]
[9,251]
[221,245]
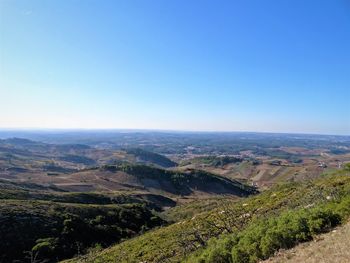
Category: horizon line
[42,129]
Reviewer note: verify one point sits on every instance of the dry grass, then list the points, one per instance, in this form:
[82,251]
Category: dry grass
[333,247]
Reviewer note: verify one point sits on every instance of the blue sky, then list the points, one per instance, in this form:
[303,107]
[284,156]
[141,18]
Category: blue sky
[279,66]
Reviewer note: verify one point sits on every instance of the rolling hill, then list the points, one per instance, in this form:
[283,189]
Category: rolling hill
[126,203]
[296,212]
[151,158]
[136,177]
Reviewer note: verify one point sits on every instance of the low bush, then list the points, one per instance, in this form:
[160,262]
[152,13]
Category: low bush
[262,238]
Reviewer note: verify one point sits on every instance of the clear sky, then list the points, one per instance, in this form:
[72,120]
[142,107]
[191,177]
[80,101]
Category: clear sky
[279,66]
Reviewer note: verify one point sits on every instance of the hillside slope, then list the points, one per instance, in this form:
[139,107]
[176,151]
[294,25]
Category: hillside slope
[133,177]
[52,230]
[150,157]
[210,236]
[331,247]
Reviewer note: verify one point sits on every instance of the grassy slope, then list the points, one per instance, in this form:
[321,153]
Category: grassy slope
[175,242]
[195,207]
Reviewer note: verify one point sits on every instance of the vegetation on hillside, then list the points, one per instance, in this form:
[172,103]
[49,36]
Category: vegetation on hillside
[195,207]
[25,191]
[51,231]
[183,183]
[266,236]
[41,222]
[155,158]
[215,161]
[77,159]
[277,218]
[331,247]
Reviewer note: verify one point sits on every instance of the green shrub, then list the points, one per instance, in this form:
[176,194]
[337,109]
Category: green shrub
[263,239]
[219,252]
[46,247]
[347,167]
[343,208]
[322,220]
[284,232]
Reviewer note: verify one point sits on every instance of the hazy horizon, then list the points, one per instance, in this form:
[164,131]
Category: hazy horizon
[140,130]
[244,66]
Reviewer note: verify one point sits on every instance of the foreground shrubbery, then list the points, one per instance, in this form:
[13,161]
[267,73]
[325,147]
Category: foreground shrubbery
[264,237]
